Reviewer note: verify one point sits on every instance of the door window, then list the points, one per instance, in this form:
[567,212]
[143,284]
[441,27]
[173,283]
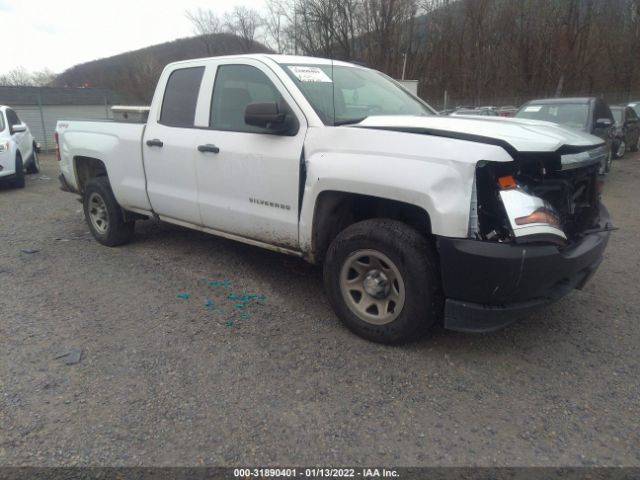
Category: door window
[12,118]
[181,97]
[237,86]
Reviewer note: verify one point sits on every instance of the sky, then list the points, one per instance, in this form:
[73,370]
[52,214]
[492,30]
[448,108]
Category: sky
[51,34]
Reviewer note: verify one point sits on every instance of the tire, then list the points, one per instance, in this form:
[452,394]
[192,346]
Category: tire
[620,149]
[388,263]
[607,167]
[636,147]
[34,165]
[18,179]
[103,214]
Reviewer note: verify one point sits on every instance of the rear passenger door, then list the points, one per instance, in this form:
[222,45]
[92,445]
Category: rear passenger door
[168,147]
[250,185]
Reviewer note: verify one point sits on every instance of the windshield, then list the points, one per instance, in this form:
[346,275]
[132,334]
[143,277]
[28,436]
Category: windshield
[358,93]
[636,107]
[574,115]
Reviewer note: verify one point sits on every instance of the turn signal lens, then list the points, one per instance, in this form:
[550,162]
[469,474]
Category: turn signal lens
[539,216]
[507,182]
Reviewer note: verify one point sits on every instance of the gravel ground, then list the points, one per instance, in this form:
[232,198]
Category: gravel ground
[169,381]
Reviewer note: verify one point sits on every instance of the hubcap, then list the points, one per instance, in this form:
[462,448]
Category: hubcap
[622,149]
[372,287]
[98,213]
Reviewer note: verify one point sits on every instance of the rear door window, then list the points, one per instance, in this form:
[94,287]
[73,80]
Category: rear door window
[181,97]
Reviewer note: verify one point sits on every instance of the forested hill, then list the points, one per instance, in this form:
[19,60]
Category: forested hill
[134,74]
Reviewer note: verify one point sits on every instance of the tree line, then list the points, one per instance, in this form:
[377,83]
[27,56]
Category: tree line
[476,50]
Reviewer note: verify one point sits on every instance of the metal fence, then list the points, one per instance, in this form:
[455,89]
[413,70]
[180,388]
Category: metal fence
[42,119]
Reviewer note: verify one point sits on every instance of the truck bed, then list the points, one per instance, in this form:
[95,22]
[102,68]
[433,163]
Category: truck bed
[117,144]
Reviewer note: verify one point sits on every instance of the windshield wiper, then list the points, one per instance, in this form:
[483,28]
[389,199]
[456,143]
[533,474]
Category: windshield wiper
[348,121]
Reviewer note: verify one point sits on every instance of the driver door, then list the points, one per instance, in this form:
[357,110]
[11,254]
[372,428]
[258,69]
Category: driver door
[248,177]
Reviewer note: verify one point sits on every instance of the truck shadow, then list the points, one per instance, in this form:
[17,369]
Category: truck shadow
[300,286]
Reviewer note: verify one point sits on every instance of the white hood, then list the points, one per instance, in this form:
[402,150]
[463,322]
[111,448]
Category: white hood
[523,135]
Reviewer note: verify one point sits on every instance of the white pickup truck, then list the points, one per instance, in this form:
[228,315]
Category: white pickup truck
[416,218]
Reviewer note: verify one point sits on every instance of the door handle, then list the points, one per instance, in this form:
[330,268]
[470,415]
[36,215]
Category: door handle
[208,148]
[155,143]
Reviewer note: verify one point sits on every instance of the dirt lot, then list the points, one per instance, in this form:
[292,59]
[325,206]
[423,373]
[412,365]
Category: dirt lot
[170,381]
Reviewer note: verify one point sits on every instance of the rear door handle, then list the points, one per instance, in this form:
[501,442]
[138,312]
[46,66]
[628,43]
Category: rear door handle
[208,148]
[155,143]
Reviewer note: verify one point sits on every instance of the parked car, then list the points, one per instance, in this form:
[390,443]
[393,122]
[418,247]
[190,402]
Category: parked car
[413,216]
[485,112]
[507,111]
[589,114]
[627,130]
[17,148]
[635,106]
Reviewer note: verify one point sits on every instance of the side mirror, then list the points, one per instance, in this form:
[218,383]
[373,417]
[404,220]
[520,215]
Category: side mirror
[18,128]
[603,122]
[269,116]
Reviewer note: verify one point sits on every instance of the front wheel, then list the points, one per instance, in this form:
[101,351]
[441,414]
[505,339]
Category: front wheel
[382,279]
[18,179]
[104,216]
[34,164]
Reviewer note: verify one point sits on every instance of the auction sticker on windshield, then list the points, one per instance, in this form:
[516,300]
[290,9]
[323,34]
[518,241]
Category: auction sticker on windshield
[533,108]
[309,74]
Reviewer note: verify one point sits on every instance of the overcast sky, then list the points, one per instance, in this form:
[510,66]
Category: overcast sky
[51,34]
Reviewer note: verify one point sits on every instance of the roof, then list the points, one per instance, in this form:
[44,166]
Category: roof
[551,101]
[57,96]
[280,59]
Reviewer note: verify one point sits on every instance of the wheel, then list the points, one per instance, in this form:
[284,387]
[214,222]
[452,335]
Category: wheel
[34,164]
[382,279]
[104,215]
[607,167]
[621,149]
[636,147]
[18,179]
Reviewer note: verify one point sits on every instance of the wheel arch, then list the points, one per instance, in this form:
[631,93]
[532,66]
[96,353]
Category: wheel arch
[87,168]
[336,210]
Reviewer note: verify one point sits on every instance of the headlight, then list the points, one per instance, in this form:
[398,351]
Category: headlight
[4,146]
[531,216]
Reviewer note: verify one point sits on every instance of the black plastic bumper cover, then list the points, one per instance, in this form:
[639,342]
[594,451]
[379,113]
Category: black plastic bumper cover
[488,284]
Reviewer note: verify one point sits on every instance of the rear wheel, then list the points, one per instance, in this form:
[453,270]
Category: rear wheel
[636,147]
[621,149]
[18,179]
[104,216]
[381,277]
[34,164]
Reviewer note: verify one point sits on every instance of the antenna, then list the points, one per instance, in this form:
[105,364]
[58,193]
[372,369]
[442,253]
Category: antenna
[333,93]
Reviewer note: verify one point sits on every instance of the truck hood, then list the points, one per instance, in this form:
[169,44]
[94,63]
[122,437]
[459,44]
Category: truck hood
[514,134]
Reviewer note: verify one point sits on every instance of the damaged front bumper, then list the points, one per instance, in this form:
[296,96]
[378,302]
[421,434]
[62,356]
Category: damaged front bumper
[488,284]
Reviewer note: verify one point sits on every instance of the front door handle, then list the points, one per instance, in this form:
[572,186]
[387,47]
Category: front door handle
[155,143]
[208,148]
